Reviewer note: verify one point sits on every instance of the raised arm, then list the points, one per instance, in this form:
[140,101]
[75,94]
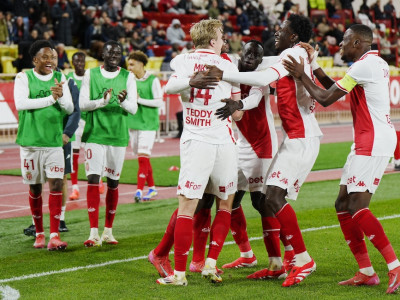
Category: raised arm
[157,100]
[65,101]
[324,97]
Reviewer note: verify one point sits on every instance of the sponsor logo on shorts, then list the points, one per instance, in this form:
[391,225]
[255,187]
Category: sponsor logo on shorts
[296,186]
[109,170]
[284,180]
[360,183]
[223,189]
[351,180]
[376,181]
[192,185]
[91,209]
[29,175]
[275,174]
[57,169]
[256,180]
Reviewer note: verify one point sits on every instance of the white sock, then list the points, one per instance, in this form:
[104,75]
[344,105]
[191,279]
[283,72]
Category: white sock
[248,254]
[369,271]
[289,248]
[179,274]
[302,258]
[152,187]
[37,233]
[107,231]
[62,216]
[275,263]
[53,234]
[94,231]
[75,187]
[33,221]
[393,265]
[210,262]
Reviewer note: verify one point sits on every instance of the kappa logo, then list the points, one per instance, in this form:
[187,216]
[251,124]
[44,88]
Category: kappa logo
[233,232]
[186,253]
[206,229]
[29,175]
[68,156]
[57,217]
[289,237]
[36,217]
[112,211]
[91,209]
[214,243]
[141,175]
[265,233]
[360,183]
[371,237]
[376,181]
[348,242]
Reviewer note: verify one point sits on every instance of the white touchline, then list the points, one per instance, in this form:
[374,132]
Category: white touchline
[112,262]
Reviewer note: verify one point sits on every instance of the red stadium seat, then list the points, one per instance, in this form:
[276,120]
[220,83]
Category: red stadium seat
[159,50]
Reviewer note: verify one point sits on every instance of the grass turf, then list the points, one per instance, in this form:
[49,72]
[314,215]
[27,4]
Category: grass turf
[139,227]
[331,156]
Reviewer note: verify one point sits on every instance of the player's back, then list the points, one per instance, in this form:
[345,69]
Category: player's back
[200,105]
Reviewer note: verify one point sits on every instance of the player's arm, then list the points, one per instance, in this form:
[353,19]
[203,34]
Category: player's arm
[21,95]
[73,119]
[130,101]
[324,97]
[157,101]
[237,115]
[85,104]
[65,101]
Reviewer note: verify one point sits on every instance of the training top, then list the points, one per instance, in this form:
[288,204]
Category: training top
[200,105]
[367,82]
[150,99]
[40,116]
[107,124]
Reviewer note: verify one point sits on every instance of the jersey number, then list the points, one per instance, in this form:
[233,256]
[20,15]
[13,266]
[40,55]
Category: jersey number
[26,164]
[89,153]
[200,94]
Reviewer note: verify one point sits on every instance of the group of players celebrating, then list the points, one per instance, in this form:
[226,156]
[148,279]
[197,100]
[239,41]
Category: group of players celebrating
[216,88]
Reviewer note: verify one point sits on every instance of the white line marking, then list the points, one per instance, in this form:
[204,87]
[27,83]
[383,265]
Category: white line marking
[112,262]
[13,205]
[9,293]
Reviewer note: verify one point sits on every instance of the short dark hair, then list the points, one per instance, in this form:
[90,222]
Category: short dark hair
[363,31]
[139,56]
[113,43]
[38,45]
[79,53]
[256,42]
[302,26]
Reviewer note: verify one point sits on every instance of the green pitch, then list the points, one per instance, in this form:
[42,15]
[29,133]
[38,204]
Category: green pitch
[331,156]
[126,274]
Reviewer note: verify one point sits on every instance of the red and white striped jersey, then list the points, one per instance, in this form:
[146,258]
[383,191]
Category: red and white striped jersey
[200,105]
[295,105]
[367,81]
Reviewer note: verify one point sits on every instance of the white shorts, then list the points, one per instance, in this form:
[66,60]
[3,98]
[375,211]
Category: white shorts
[77,144]
[292,164]
[104,160]
[252,170]
[201,162]
[363,173]
[38,164]
[142,141]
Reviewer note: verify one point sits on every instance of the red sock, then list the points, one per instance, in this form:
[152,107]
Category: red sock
[271,230]
[354,238]
[183,239]
[283,239]
[55,200]
[74,173]
[142,172]
[167,240]
[111,206]
[150,179]
[372,228]
[219,231]
[239,229]
[289,226]
[201,229]
[36,204]
[93,203]
[397,150]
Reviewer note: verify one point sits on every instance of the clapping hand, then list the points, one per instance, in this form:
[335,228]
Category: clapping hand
[122,96]
[57,90]
[107,96]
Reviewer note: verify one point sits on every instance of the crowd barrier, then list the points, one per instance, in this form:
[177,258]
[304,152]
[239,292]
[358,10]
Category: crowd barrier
[339,112]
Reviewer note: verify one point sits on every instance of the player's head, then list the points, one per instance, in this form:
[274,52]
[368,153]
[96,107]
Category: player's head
[208,34]
[252,55]
[225,47]
[137,60]
[112,55]
[356,41]
[78,61]
[294,30]
[43,57]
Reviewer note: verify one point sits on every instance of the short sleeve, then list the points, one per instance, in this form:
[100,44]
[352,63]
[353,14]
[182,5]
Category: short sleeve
[346,84]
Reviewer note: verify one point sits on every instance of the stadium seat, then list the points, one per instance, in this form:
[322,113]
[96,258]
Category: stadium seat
[6,63]
[154,63]
[91,62]
[159,50]
[70,51]
[4,50]
[13,50]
